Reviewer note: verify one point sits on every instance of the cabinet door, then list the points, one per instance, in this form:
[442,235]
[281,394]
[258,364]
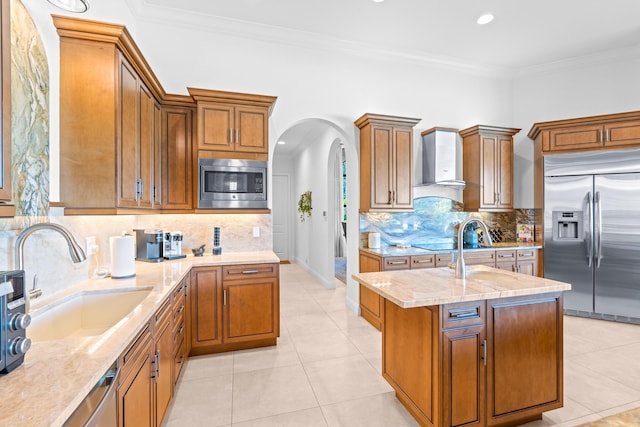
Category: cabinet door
[524,374]
[156,186]
[215,127]
[527,262]
[5,105]
[206,307]
[251,309]
[128,136]
[506,260]
[251,130]
[177,181]
[164,360]
[578,138]
[504,172]
[464,361]
[135,392]
[370,302]
[381,167]
[402,169]
[489,171]
[620,134]
[147,146]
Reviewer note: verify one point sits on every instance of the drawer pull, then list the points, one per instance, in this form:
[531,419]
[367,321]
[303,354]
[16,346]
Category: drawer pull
[181,330]
[181,309]
[466,314]
[422,261]
[396,262]
[250,271]
[526,254]
[506,255]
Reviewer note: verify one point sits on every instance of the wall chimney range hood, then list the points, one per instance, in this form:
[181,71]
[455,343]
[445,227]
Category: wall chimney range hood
[442,157]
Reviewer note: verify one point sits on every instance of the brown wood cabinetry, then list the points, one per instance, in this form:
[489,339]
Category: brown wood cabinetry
[606,132]
[386,163]
[163,361]
[181,323]
[233,125]
[6,208]
[488,168]
[523,261]
[234,307]
[477,362]
[177,157]
[135,388]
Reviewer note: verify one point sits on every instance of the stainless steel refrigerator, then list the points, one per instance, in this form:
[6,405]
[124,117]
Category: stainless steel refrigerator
[592,231]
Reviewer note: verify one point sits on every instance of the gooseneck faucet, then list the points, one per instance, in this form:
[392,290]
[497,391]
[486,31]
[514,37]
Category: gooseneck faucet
[461,269]
[75,250]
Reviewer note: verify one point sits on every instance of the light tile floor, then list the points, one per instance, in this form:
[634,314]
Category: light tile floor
[325,371]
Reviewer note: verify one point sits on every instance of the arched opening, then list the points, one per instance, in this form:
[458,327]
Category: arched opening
[307,158]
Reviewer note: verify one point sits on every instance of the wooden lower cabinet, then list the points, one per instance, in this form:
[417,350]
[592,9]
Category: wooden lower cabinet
[523,261]
[163,361]
[135,389]
[479,363]
[234,307]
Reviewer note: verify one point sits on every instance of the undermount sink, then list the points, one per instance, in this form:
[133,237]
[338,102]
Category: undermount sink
[84,314]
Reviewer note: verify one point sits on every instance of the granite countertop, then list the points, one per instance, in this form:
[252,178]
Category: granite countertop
[57,375]
[390,250]
[435,286]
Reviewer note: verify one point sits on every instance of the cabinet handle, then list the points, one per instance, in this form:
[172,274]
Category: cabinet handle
[158,362]
[224,297]
[607,135]
[389,202]
[231,135]
[237,135]
[396,262]
[601,138]
[181,309]
[181,330]
[484,352]
[505,255]
[464,314]
[423,261]
[250,271]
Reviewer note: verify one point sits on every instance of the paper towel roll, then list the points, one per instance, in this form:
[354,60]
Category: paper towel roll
[123,255]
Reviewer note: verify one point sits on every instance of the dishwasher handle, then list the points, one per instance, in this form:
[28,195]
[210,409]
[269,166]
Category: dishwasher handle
[99,407]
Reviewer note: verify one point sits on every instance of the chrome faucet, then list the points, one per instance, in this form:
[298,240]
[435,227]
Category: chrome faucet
[75,250]
[461,270]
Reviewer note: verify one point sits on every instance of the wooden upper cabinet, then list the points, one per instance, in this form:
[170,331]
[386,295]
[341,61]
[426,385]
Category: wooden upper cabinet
[386,163]
[233,125]
[120,133]
[488,168]
[606,132]
[6,209]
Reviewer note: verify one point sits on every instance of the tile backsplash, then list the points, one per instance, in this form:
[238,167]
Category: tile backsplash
[435,220]
[46,254]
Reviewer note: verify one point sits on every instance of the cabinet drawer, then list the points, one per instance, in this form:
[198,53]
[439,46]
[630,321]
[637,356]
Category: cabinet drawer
[139,347]
[248,271]
[526,254]
[480,257]
[443,260]
[463,314]
[505,255]
[178,333]
[179,360]
[423,261]
[396,263]
[162,316]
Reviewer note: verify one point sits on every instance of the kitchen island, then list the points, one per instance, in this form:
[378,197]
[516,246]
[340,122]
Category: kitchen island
[482,351]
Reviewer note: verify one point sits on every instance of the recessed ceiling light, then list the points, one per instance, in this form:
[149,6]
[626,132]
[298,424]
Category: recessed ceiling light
[485,19]
[281,142]
[378,1]
[78,6]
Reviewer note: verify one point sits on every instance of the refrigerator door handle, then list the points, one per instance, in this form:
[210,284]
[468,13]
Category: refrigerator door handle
[589,232]
[598,242]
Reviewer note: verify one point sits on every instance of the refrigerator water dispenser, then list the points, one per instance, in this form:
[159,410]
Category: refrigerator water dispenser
[567,225]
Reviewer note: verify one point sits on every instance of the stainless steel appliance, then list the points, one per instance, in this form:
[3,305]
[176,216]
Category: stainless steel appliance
[442,157]
[232,184]
[173,245]
[149,245]
[13,321]
[99,407]
[592,231]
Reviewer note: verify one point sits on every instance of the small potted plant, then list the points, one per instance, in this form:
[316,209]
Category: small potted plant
[304,205]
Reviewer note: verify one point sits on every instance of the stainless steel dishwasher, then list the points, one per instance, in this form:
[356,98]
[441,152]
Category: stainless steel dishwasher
[98,409]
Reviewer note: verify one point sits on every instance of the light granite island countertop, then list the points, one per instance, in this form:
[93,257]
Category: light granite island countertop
[483,350]
[56,375]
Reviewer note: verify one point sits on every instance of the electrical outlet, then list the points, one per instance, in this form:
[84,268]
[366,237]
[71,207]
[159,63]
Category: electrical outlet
[92,245]
[256,231]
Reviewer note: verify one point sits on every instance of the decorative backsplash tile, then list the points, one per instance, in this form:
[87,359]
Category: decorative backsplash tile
[435,220]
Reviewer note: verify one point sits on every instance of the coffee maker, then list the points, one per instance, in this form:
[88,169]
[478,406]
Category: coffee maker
[149,245]
[173,245]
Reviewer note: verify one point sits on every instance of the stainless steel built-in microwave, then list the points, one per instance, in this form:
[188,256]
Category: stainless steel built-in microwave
[232,184]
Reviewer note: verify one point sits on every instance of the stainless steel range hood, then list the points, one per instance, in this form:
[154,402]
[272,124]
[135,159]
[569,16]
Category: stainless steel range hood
[442,158]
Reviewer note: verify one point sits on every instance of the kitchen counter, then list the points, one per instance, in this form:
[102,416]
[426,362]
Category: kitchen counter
[391,250]
[57,375]
[436,286]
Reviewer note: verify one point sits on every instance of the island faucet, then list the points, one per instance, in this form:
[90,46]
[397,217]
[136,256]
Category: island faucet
[461,270]
[75,250]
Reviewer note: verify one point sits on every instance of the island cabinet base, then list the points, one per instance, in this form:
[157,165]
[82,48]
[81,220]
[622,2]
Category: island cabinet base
[481,363]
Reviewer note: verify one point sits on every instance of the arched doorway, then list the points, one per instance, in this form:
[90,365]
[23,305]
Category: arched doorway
[306,154]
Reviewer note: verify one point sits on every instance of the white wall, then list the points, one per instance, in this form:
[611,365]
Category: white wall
[603,84]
